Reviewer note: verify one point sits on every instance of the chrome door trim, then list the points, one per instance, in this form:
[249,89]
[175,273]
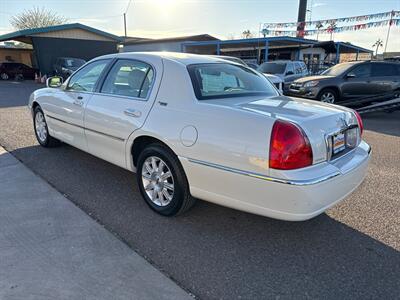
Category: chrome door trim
[88,129]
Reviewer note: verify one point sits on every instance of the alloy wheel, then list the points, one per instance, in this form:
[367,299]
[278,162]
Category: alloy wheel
[158,181]
[4,76]
[40,127]
[328,97]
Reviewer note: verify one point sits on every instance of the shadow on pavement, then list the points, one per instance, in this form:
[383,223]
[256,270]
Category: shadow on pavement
[383,122]
[222,253]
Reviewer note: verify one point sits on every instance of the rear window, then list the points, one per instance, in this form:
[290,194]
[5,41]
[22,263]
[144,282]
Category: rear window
[220,80]
[384,70]
[272,68]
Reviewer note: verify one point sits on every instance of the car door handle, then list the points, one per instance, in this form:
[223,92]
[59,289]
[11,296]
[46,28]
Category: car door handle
[132,113]
[80,97]
[78,102]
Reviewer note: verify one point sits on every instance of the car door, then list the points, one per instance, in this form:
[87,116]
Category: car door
[121,106]
[356,83]
[65,108]
[290,74]
[384,77]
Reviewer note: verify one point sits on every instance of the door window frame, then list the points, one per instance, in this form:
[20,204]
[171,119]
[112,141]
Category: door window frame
[96,85]
[111,65]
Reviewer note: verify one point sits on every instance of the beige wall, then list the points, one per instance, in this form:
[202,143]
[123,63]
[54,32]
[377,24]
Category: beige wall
[79,34]
[22,56]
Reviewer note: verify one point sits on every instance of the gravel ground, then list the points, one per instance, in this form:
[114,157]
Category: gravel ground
[352,251]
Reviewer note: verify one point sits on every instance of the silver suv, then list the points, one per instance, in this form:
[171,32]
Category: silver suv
[288,70]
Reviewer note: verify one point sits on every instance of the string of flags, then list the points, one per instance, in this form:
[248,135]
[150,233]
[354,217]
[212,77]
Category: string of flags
[378,16]
[333,28]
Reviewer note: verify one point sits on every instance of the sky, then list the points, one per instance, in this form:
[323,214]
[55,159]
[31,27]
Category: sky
[224,19]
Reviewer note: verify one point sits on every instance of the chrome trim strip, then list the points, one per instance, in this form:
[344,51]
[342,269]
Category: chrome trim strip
[84,128]
[267,178]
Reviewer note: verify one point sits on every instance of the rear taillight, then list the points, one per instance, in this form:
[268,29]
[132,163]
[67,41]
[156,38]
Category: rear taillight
[289,147]
[360,122]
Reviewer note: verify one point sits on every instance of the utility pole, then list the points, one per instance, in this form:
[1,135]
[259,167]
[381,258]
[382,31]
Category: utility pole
[388,32]
[125,24]
[301,18]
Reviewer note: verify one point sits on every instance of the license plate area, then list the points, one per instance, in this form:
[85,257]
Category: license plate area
[342,142]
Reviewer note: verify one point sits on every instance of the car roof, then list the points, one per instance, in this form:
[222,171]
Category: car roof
[182,58]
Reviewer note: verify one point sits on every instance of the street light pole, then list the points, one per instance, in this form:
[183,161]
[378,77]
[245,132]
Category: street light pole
[388,32]
[125,24]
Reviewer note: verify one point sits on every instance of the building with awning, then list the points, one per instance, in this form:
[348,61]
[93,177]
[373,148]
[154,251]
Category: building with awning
[69,40]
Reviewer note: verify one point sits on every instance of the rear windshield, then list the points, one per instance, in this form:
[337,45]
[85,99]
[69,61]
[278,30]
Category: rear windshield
[272,68]
[220,80]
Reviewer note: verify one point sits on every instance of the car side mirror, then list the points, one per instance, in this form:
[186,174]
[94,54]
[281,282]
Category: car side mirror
[289,73]
[54,82]
[351,75]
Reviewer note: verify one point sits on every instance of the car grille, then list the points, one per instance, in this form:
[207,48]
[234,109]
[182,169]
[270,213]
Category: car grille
[295,86]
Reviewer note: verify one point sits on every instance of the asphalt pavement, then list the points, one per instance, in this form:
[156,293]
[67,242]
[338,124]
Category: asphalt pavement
[351,252]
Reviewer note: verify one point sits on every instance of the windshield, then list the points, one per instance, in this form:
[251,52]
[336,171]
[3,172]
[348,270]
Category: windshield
[272,68]
[337,70]
[73,62]
[220,80]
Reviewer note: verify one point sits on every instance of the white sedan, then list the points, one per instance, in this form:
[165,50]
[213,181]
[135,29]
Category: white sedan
[194,126]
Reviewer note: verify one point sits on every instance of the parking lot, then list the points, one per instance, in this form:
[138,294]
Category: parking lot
[213,252]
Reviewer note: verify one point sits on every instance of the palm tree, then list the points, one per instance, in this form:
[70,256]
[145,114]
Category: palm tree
[247,34]
[378,43]
[318,26]
[332,27]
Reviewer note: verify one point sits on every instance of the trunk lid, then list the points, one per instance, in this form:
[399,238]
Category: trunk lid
[318,120]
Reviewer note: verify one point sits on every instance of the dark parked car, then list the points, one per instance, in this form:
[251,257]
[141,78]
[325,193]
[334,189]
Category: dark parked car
[350,80]
[65,66]
[13,70]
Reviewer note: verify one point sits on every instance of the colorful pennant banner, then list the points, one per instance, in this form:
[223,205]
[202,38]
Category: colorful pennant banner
[330,29]
[317,23]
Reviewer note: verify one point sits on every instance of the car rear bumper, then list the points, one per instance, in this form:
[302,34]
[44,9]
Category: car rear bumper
[301,195]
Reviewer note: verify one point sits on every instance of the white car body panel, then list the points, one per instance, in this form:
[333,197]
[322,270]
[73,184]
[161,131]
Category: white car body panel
[223,145]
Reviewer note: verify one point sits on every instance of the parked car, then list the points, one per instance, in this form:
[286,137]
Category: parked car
[65,66]
[350,80]
[276,80]
[286,69]
[192,126]
[19,71]
[254,66]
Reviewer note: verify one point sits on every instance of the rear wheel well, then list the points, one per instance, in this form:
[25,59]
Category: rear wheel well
[34,105]
[142,142]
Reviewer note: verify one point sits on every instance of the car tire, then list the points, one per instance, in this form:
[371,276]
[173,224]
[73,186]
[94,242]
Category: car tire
[162,181]
[4,76]
[41,130]
[328,96]
[397,94]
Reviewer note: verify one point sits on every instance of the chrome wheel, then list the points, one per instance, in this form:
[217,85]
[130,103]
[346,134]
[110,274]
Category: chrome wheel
[158,181]
[40,127]
[328,97]
[4,76]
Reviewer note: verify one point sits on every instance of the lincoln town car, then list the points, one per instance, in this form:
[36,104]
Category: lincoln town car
[200,127]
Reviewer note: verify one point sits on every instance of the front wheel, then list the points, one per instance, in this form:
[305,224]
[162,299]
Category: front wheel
[4,76]
[162,181]
[328,96]
[41,129]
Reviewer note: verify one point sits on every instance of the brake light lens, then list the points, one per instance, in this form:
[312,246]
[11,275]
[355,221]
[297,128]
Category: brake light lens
[360,122]
[289,147]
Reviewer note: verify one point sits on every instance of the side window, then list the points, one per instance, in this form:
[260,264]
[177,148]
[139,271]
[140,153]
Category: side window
[85,80]
[289,68]
[129,78]
[383,70]
[362,71]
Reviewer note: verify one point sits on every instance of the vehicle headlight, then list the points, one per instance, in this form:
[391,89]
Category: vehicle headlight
[311,83]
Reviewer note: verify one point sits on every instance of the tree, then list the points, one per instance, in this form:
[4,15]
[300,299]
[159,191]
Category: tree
[247,34]
[36,17]
[378,43]
[318,26]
